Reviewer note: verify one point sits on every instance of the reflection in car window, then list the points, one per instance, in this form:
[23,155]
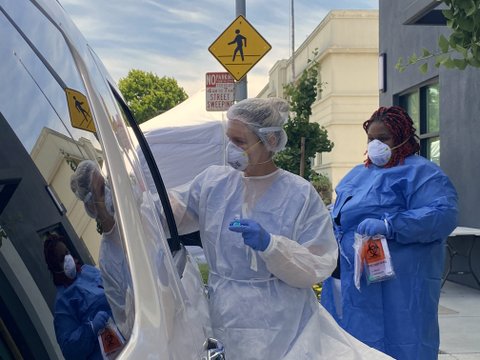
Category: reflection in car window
[40,152]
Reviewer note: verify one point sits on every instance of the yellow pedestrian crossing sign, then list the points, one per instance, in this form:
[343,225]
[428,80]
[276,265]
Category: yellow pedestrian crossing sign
[239,47]
[80,114]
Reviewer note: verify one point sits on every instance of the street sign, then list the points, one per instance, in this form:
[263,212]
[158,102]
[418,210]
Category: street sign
[80,114]
[239,47]
[220,91]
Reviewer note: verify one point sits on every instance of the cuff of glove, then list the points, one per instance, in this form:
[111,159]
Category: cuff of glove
[112,229]
[93,329]
[388,227]
[270,244]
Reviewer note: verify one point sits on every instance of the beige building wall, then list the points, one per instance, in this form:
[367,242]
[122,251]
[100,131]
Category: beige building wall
[53,145]
[346,46]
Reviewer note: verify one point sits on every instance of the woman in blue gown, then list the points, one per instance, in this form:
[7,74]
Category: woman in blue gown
[410,201]
[81,308]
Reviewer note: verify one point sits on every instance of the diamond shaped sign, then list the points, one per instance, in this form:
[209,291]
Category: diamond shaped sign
[239,48]
[79,110]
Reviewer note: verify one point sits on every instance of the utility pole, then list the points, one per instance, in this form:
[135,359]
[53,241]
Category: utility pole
[293,40]
[241,86]
[302,140]
[302,156]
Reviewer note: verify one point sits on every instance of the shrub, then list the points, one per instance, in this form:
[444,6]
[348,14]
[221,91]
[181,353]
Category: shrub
[322,184]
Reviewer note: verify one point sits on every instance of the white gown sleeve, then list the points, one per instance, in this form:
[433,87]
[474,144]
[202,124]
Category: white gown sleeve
[116,280]
[312,256]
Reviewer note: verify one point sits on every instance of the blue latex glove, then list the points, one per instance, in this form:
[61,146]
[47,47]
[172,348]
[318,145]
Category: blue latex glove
[372,227]
[253,234]
[99,321]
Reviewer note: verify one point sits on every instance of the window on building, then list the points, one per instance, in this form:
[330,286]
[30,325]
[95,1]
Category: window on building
[423,106]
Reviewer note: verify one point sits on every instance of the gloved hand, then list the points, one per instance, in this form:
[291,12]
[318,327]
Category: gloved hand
[372,227]
[99,321]
[253,234]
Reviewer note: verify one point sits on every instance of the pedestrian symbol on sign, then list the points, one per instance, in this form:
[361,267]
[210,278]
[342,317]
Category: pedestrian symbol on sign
[239,40]
[81,110]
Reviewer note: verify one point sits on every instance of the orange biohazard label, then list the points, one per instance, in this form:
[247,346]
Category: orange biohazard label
[110,341]
[373,251]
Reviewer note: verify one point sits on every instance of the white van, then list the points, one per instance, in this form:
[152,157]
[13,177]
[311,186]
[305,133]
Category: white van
[59,106]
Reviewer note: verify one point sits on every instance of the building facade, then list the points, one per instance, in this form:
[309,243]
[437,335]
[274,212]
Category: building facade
[345,45]
[443,103]
[56,157]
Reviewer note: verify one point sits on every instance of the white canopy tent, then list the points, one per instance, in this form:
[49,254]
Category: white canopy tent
[186,139]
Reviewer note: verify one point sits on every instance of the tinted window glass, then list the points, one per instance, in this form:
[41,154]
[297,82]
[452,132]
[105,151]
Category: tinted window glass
[432,109]
[40,151]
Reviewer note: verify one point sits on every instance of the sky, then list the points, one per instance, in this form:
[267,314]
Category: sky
[171,37]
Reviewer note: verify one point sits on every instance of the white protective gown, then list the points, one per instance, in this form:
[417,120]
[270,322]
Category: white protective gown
[119,290]
[116,280]
[262,305]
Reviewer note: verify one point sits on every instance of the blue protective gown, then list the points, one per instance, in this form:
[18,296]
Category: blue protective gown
[75,306]
[397,316]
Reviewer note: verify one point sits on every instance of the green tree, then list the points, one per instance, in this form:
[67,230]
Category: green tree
[302,95]
[148,95]
[461,48]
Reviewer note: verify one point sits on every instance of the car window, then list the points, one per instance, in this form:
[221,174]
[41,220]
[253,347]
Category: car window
[58,107]
[41,149]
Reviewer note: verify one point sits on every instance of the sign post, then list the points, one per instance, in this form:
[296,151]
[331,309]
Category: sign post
[241,86]
[220,91]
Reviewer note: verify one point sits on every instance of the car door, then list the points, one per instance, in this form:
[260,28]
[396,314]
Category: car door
[59,106]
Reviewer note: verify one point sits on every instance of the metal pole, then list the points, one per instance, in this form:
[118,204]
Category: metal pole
[302,156]
[293,41]
[241,86]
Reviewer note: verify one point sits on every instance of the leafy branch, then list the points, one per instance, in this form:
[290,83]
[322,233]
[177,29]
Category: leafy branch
[461,48]
[302,94]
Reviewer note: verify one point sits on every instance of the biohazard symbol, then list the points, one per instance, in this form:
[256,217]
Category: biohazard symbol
[373,251]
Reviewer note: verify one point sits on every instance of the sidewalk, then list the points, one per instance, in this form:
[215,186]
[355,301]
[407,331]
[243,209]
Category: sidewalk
[459,318]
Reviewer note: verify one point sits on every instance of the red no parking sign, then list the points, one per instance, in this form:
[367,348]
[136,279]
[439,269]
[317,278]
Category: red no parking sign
[220,91]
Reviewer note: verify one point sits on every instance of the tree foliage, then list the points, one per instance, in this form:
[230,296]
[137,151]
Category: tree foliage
[149,95]
[323,185]
[461,48]
[302,95]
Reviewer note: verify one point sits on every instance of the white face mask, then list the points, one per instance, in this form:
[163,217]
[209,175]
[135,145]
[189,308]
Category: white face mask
[379,153]
[236,157]
[69,267]
[90,207]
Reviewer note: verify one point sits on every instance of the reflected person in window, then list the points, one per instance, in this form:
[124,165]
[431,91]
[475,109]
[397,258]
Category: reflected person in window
[89,185]
[81,308]
[410,201]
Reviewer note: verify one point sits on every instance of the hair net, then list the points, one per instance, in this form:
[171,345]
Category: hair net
[80,183]
[265,117]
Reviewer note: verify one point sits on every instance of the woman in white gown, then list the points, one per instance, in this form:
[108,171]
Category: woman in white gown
[267,238]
